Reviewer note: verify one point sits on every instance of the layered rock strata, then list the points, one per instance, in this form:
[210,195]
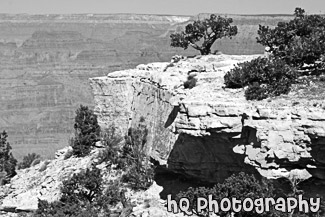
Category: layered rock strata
[209,131]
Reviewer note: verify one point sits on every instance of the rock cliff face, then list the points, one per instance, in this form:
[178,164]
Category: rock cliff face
[210,132]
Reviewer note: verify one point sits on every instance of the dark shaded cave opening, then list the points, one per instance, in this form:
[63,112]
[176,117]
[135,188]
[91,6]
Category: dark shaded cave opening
[200,162]
[173,182]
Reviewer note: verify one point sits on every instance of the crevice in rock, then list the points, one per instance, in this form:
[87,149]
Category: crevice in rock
[172,116]
[132,105]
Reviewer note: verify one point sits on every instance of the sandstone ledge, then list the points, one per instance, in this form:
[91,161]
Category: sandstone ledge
[210,131]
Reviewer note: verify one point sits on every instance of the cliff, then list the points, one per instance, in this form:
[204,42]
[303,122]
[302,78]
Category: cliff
[206,133]
[209,132]
[46,61]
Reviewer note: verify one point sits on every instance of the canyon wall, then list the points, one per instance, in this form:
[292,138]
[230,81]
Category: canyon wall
[209,132]
[46,61]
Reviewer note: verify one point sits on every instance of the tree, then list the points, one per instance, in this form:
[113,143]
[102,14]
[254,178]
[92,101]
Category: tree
[87,131]
[29,160]
[298,42]
[140,171]
[210,30]
[7,160]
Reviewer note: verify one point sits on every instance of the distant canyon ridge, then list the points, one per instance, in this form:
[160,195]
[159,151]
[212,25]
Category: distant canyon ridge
[46,61]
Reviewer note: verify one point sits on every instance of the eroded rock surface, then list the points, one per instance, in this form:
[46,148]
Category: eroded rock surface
[44,181]
[209,131]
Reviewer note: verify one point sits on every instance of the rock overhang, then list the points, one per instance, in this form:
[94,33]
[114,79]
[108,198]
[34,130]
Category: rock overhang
[275,136]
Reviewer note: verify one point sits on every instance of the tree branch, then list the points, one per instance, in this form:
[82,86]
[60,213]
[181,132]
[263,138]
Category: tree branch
[195,46]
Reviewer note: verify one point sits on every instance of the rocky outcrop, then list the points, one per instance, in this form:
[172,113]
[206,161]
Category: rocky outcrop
[44,181]
[210,132]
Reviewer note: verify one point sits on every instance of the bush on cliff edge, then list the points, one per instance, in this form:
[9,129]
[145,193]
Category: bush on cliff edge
[87,131]
[263,78]
[298,42]
[295,45]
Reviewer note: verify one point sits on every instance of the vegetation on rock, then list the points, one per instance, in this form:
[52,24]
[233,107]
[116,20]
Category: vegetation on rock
[295,45]
[239,186]
[87,193]
[87,131]
[82,196]
[209,30]
[130,158]
[242,186]
[7,160]
[298,42]
[29,160]
[263,77]
[140,171]
[111,141]
[190,82]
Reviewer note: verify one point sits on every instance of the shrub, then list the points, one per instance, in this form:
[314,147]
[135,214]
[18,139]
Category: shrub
[82,196]
[139,177]
[131,157]
[7,161]
[111,196]
[264,78]
[111,141]
[87,131]
[190,83]
[82,187]
[299,41]
[29,160]
[58,209]
[140,171]
[210,30]
[256,92]
[239,186]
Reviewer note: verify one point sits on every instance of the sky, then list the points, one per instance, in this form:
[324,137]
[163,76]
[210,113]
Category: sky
[173,7]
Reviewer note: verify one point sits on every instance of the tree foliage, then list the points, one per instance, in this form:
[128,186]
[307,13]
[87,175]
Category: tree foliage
[208,30]
[263,78]
[239,186]
[83,187]
[83,196]
[140,171]
[299,41]
[28,160]
[294,45]
[7,160]
[87,131]
[112,147]
[190,82]
[131,157]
